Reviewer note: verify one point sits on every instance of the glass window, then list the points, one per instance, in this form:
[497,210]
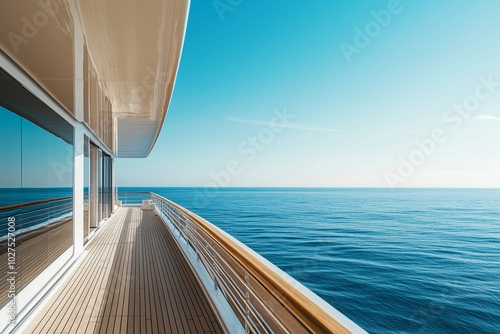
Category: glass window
[100,185]
[36,185]
[10,190]
[86,182]
[10,151]
[94,186]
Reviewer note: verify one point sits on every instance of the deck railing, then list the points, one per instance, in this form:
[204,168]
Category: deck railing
[263,298]
[133,198]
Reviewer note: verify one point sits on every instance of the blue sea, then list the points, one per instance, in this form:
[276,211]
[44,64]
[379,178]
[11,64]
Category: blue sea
[393,261]
[11,196]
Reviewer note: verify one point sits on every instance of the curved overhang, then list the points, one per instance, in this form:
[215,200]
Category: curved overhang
[111,64]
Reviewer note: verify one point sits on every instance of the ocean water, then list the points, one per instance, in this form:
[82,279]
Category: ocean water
[40,213]
[393,261]
[11,196]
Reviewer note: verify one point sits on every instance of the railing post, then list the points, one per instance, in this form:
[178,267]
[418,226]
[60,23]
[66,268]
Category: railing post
[216,285]
[247,301]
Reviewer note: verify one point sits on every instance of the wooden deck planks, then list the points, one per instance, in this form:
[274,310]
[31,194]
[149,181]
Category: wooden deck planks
[134,279]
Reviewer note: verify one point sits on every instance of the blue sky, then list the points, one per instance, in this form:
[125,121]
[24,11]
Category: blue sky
[32,157]
[422,72]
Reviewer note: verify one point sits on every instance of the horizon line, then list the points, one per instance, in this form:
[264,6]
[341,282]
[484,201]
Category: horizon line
[309,187]
[274,187]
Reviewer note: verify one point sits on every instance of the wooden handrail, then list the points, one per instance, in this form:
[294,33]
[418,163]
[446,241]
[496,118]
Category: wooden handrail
[23,205]
[310,314]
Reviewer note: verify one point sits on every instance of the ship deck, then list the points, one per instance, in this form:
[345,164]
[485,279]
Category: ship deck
[133,279]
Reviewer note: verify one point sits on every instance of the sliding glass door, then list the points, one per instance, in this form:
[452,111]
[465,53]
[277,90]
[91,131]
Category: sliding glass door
[100,190]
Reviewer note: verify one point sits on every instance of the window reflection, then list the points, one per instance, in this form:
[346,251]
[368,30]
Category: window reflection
[94,187]
[10,151]
[100,185]
[35,184]
[10,186]
[86,181]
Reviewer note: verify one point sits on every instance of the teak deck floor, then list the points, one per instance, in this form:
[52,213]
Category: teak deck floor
[134,279]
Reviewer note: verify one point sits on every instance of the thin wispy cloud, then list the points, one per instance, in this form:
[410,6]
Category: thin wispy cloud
[488,117]
[282,125]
